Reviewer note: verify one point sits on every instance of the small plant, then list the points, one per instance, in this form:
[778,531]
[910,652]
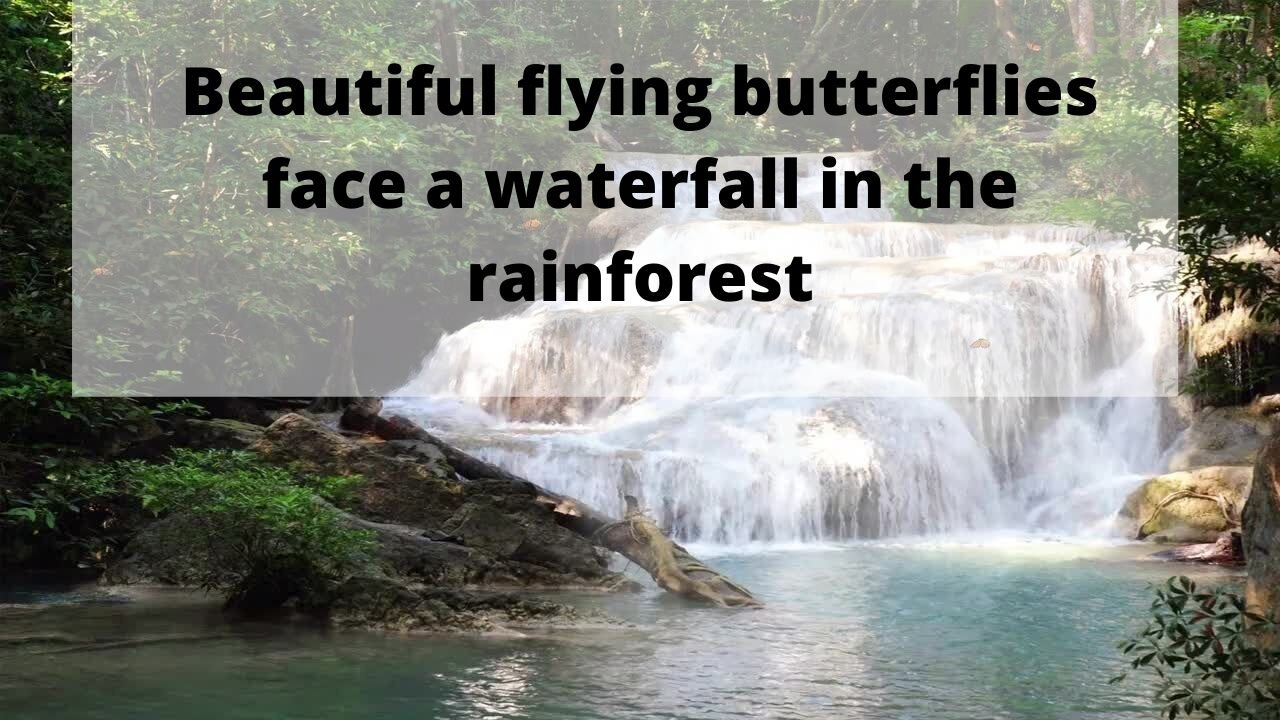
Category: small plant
[1212,659]
[179,407]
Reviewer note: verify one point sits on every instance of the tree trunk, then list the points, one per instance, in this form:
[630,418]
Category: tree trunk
[829,23]
[635,537]
[1008,31]
[1261,33]
[447,37]
[340,384]
[1081,15]
[1261,531]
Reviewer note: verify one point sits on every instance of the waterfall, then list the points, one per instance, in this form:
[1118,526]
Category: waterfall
[944,378]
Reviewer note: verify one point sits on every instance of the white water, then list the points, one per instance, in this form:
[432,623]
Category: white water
[945,378]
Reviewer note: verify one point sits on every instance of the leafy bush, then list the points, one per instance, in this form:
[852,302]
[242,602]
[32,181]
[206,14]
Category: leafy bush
[1208,655]
[257,533]
[36,407]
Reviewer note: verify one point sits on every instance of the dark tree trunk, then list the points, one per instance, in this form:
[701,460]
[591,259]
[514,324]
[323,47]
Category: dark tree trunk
[1261,532]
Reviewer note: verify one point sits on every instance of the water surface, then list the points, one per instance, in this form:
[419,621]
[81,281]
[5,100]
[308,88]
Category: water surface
[989,629]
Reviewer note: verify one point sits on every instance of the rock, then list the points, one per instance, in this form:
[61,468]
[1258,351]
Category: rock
[1188,506]
[357,413]
[1226,550]
[1221,436]
[496,535]
[620,228]
[1261,534]
[215,434]
[375,601]
[137,430]
[150,559]
[419,489]
[434,534]
[410,552]
[241,409]
[525,533]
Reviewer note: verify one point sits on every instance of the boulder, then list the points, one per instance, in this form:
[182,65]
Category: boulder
[412,552]
[1189,506]
[523,533]
[418,489]
[1221,436]
[437,538]
[150,558]
[438,528]
[215,434]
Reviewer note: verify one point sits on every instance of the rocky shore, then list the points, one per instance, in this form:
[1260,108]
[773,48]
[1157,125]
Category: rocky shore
[456,544]
[448,554]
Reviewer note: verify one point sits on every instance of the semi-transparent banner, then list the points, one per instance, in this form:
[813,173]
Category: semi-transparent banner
[537,201]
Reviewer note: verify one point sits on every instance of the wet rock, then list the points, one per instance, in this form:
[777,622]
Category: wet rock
[435,527]
[433,534]
[373,601]
[1190,506]
[1221,436]
[413,552]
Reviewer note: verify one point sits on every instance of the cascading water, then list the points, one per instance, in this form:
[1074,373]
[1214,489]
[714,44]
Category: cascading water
[943,378]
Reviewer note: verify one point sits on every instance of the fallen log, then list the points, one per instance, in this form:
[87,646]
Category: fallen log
[635,537]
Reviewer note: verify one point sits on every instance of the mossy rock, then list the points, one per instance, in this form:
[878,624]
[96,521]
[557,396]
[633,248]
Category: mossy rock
[215,434]
[1188,506]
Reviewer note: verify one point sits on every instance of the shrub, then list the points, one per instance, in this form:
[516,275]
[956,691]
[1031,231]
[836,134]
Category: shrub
[1207,655]
[35,407]
[257,533]
[70,513]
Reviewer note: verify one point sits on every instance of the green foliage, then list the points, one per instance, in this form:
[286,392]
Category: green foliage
[1227,378]
[77,514]
[35,183]
[35,408]
[255,532]
[1209,655]
[1229,187]
[249,530]
[65,492]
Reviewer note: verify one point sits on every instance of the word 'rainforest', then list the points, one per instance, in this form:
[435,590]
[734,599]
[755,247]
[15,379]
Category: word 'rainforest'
[653,282]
